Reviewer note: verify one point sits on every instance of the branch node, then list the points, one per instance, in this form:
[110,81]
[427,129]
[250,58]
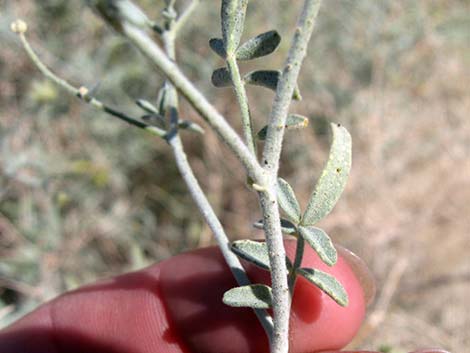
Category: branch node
[259,188]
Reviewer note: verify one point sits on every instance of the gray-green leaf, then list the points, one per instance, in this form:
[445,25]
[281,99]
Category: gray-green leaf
[296,121]
[293,121]
[221,78]
[258,296]
[255,252]
[162,104]
[191,126]
[233,18]
[333,178]
[147,106]
[287,227]
[321,243]
[261,45]
[287,200]
[326,283]
[268,79]
[264,78]
[217,45]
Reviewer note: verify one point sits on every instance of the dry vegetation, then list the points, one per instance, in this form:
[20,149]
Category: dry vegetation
[83,196]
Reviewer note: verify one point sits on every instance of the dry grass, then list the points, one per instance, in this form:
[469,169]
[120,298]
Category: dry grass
[76,188]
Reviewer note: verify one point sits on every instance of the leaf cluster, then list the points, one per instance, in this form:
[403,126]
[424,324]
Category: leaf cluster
[324,196]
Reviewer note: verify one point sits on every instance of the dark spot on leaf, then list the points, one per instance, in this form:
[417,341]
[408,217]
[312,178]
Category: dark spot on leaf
[338,170]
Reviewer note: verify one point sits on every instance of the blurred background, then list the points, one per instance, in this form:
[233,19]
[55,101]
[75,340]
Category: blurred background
[83,196]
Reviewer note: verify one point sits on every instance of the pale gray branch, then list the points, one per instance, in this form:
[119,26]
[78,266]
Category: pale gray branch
[153,52]
[201,200]
[271,156]
[210,217]
[286,85]
[185,15]
[82,92]
[242,98]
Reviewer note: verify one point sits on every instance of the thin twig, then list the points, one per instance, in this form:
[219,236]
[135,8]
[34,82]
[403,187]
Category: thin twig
[82,92]
[185,15]
[180,156]
[286,85]
[277,254]
[210,217]
[271,156]
[299,254]
[242,98]
[201,200]
[154,53]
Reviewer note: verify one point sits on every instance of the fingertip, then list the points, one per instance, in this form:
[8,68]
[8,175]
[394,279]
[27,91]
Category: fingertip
[33,334]
[177,307]
[122,315]
[431,350]
[361,271]
[192,286]
[317,321]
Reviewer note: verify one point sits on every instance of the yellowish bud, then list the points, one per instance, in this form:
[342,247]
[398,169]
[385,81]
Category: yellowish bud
[83,91]
[19,26]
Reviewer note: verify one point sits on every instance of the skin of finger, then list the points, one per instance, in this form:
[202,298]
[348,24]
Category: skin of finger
[121,315]
[196,310]
[429,350]
[317,321]
[132,314]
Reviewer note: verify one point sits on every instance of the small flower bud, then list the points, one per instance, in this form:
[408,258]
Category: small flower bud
[83,91]
[19,26]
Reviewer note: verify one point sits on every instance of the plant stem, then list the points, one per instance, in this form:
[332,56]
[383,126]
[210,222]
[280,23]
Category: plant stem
[181,20]
[83,95]
[184,168]
[286,85]
[299,254]
[277,254]
[242,98]
[146,45]
[200,198]
[208,213]
[271,156]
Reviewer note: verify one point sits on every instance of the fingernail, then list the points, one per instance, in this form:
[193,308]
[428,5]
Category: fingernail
[362,272]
